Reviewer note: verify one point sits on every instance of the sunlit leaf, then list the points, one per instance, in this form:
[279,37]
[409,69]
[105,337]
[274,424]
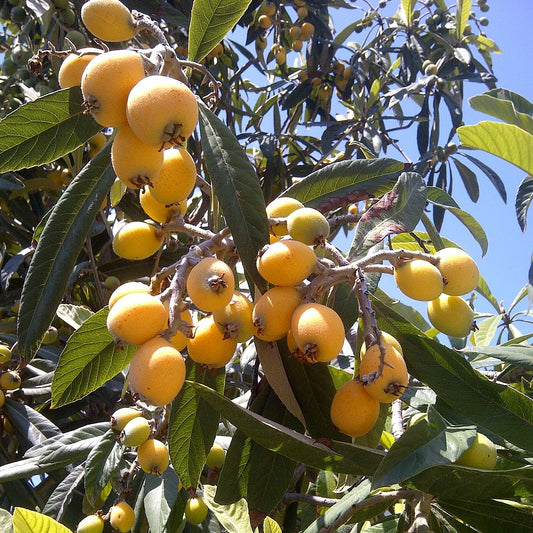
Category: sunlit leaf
[26,521]
[90,359]
[462,14]
[41,131]
[160,494]
[518,355]
[73,315]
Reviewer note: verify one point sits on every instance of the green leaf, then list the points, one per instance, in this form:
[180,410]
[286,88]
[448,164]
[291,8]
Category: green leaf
[193,423]
[494,406]
[211,20]
[506,105]
[425,444]
[234,517]
[486,330]
[6,521]
[524,197]
[493,516]
[461,16]
[41,131]
[237,189]
[469,180]
[346,182]
[58,249]
[408,7]
[160,494]
[26,521]
[73,315]
[507,141]
[398,211]
[59,500]
[441,198]
[90,359]
[340,457]
[515,355]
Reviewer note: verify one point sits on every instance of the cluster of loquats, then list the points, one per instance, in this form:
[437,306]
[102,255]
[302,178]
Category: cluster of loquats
[441,282]
[152,117]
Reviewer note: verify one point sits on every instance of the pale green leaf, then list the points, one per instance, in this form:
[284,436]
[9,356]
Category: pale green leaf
[211,20]
[6,521]
[507,141]
[41,131]
[160,494]
[233,517]
[462,13]
[408,7]
[486,329]
[73,315]
[90,359]
[26,521]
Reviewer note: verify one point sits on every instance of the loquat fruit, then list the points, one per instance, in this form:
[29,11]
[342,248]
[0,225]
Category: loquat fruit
[235,319]
[268,8]
[459,270]
[216,457]
[127,288]
[10,380]
[5,353]
[2,399]
[153,456]
[108,20]
[419,279]
[136,317]
[96,143]
[195,511]
[451,315]
[307,31]
[158,211]
[122,517]
[91,524]
[264,21]
[179,340]
[481,454]
[157,371]
[282,207]
[122,416]
[386,338]
[137,240]
[135,432]
[73,67]
[308,225]
[162,111]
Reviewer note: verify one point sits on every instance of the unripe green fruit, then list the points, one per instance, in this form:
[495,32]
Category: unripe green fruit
[195,511]
[9,67]
[51,336]
[20,54]
[216,457]
[91,524]
[481,454]
[5,353]
[122,416]
[419,279]
[135,432]
[18,15]
[122,517]
[67,16]
[76,38]
[308,226]
[459,271]
[153,456]
[452,315]
[111,283]
[10,380]
[109,20]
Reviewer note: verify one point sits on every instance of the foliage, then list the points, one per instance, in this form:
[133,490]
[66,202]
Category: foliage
[320,128]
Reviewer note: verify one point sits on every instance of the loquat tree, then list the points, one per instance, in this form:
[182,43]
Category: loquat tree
[200,202]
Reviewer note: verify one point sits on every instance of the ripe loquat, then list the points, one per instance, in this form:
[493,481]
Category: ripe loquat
[481,454]
[282,207]
[96,143]
[353,411]
[235,319]
[208,346]
[393,379]
[73,67]
[318,332]
[137,317]
[91,524]
[162,111]
[141,170]
[109,20]
[5,353]
[459,271]
[210,284]
[137,240]
[153,456]
[419,279]
[307,31]
[273,311]
[179,340]
[177,177]
[308,225]
[106,83]
[135,432]
[286,262]
[268,8]
[388,339]
[157,371]
[264,21]
[452,315]
[127,288]
[158,211]
[122,517]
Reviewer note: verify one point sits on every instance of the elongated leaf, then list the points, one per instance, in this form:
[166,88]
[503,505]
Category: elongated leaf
[496,407]
[493,177]
[6,521]
[160,494]
[461,16]
[469,180]
[59,500]
[506,105]
[524,197]
[234,517]
[193,424]
[398,211]
[515,355]
[41,131]
[408,7]
[73,315]
[211,20]
[423,445]
[237,189]
[493,516]
[292,444]
[26,521]
[56,254]
[89,360]
[346,182]
[503,140]
[442,199]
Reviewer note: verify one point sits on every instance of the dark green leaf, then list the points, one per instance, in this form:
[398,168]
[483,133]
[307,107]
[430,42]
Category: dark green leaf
[469,180]
[341,457]
[56,254]
[211,20]
[346,182]
[237,189]
[515,355]
[398,211]
[41,131]
[59,500]
[160,495]
[193,423]
[422,131]
[90,359]
[524,197]
[493,177]
[494,406]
